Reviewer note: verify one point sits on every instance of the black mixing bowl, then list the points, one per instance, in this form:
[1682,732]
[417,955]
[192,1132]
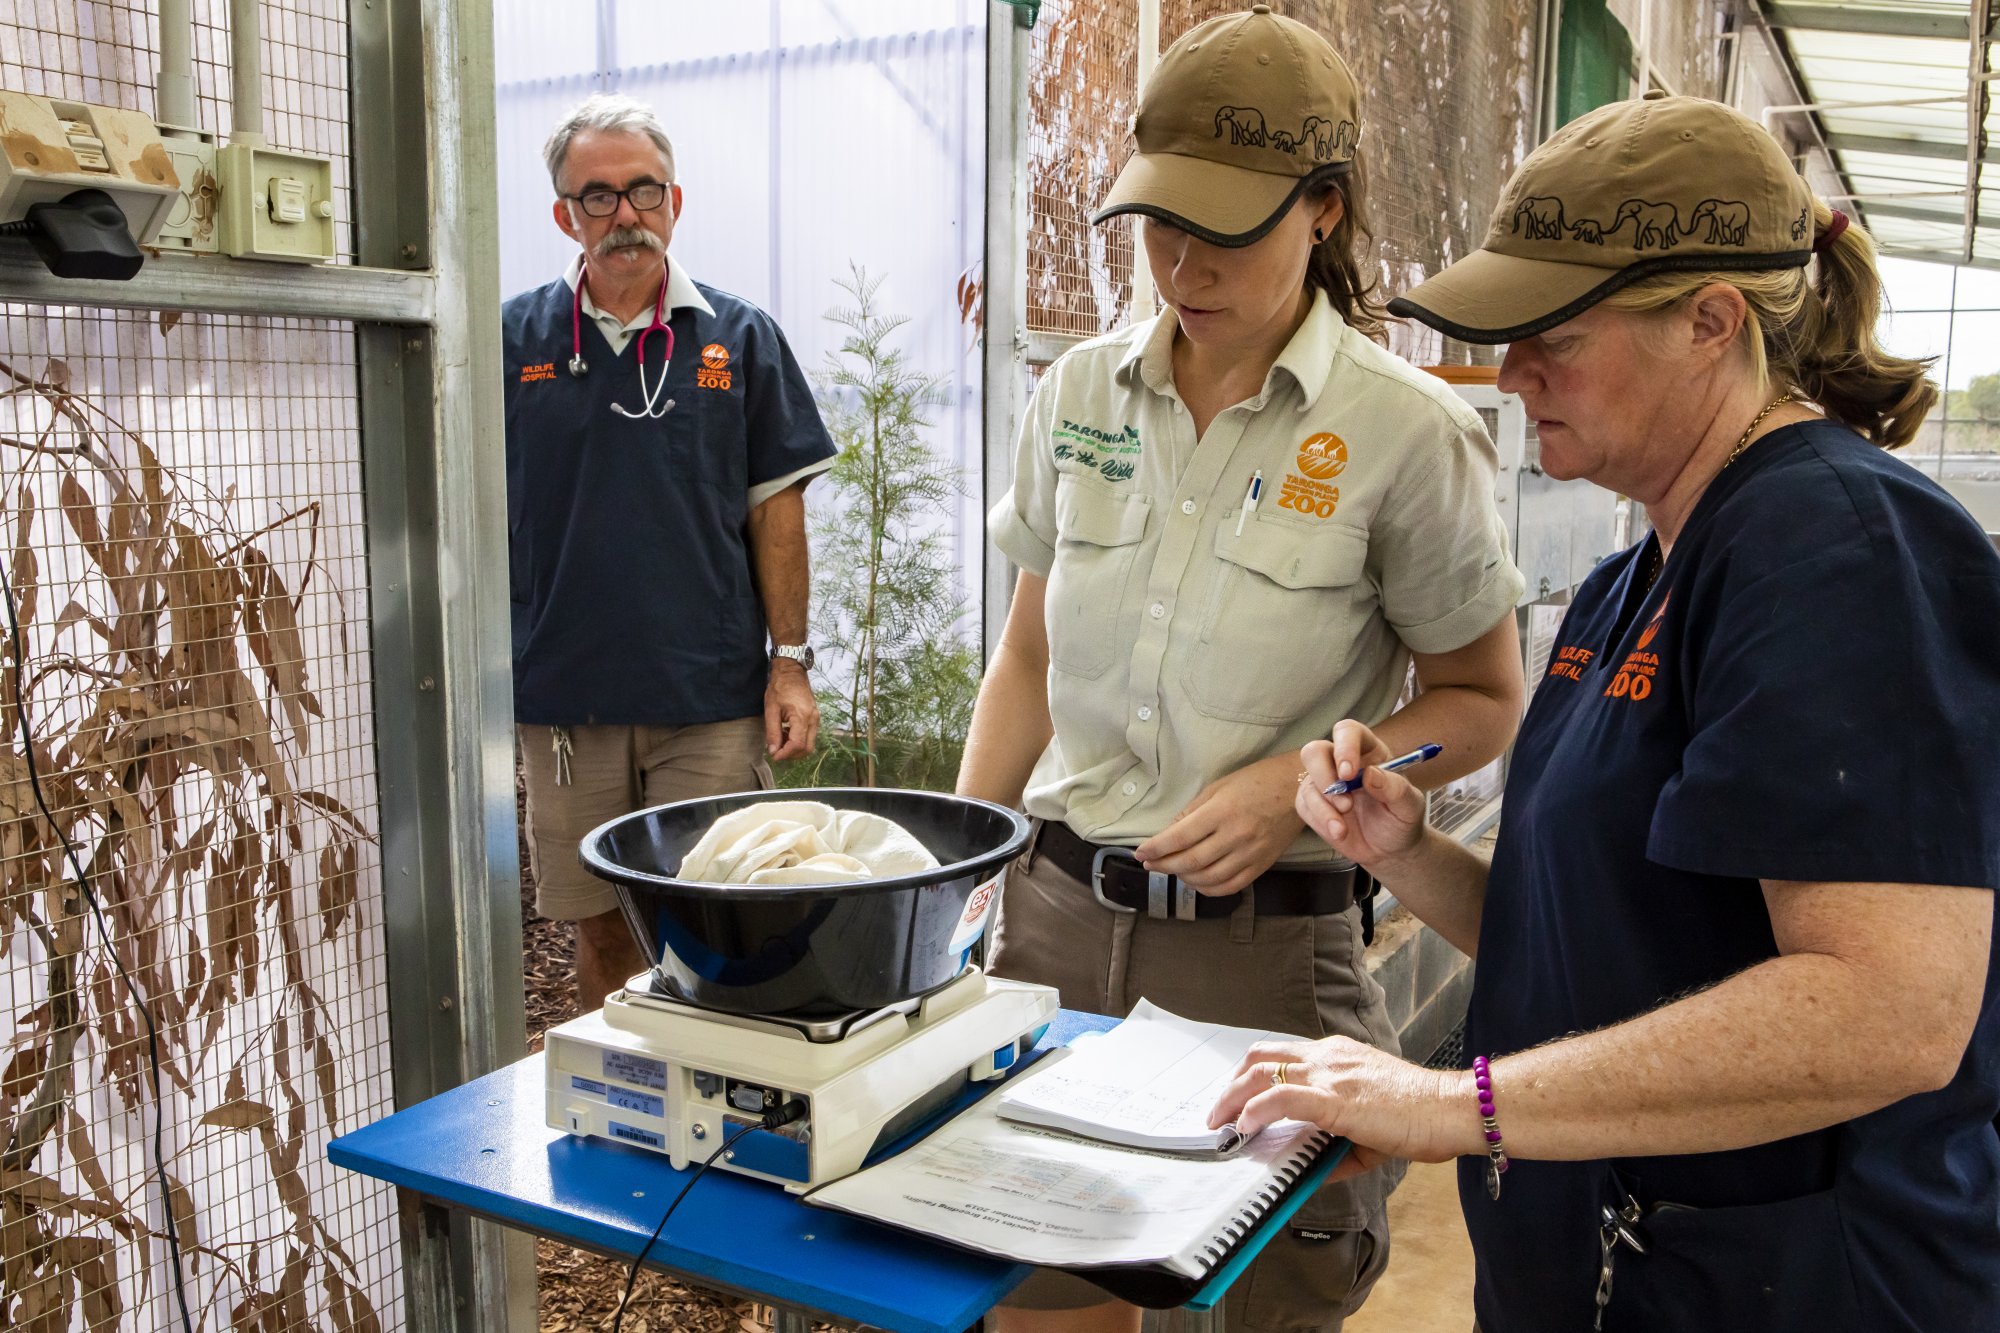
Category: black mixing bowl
[810,950]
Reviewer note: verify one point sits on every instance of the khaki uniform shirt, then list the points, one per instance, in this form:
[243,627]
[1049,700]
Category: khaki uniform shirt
[1181,649]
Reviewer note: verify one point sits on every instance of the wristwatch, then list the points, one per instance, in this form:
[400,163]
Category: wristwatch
[801,653]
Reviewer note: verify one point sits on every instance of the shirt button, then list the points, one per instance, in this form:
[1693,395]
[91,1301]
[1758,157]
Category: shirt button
[1145,715]
[1157,609]
[1187,506]
[1130,788]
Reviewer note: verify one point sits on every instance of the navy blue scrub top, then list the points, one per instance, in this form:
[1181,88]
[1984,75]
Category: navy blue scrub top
[634,601]
[1810,691]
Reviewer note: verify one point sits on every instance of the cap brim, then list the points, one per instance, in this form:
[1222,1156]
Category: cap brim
[1495,298]
[1488,297]
[1221,204]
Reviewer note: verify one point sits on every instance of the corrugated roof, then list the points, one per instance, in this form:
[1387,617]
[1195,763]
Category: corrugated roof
[1898,92]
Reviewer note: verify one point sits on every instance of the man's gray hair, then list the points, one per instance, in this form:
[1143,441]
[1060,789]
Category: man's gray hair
[604,112]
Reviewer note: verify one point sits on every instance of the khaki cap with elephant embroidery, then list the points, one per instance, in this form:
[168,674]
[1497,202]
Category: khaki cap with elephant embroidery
[1627,190]
[1240,115]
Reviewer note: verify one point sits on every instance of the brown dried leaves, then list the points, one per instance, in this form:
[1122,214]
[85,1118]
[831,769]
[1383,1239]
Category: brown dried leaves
[167,749]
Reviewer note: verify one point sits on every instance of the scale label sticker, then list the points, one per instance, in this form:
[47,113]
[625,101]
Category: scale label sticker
[582,1084]
[972,923]
[645,1103]
[635,1069]
[633,1135]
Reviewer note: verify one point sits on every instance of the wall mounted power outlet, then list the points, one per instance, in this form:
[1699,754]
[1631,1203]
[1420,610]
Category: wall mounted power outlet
[50,148]
[194,225]
[275,205]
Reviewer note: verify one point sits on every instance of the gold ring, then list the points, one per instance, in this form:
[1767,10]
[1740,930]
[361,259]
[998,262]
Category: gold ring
[1300,778]
[1278,1074]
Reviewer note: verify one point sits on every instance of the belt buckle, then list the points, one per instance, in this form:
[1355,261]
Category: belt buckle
[1166,897]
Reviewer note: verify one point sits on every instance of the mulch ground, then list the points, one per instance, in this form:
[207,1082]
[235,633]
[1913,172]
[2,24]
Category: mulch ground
[580,1289]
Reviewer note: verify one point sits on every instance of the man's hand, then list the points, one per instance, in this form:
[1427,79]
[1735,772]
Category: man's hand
[791,714]
[1231,833]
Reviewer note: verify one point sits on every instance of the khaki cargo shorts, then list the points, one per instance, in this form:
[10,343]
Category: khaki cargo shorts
[1300,974]
[612,771]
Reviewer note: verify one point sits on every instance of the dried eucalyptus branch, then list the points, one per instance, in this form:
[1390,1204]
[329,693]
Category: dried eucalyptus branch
[168,759]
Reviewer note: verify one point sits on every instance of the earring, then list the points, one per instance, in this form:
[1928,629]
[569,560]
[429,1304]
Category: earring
[1318,235]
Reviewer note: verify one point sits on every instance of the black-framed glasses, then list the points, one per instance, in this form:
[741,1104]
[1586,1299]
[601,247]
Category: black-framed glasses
[645,197]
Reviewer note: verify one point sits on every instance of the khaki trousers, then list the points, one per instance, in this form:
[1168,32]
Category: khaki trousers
[612,771]
[1299,974]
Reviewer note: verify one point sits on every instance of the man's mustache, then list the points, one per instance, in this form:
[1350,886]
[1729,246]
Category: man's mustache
[622,238]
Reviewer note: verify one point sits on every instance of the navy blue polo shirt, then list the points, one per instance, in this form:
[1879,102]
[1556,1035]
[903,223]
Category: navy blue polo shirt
[634,600]
[1811,691]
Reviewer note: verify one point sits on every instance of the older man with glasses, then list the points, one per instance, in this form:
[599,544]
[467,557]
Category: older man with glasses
[660,437]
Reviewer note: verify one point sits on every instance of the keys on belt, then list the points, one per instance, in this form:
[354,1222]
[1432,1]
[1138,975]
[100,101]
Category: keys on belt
[1621,1227]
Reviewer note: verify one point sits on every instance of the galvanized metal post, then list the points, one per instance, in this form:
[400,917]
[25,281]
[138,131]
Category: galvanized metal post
[424,186]
[1004,335]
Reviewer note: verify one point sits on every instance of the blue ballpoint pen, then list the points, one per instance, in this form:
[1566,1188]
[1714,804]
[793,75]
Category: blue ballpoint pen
[1416,756]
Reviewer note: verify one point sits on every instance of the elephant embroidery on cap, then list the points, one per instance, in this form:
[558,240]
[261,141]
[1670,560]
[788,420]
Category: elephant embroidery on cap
[1320,133]
[1801,224]
[1654,226]
[1588,230]
[1539,218]
[1246,125]
[1728,221]
[1322,139]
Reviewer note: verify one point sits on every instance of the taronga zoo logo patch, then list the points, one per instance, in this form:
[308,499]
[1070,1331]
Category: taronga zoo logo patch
[1654,226]
[714,372]
[1114,454]
[1319,138]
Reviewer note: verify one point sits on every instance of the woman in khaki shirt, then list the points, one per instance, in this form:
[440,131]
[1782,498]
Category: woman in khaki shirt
[1173,643]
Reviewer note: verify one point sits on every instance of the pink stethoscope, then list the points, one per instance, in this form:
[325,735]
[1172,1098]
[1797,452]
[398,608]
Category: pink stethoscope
[654,407]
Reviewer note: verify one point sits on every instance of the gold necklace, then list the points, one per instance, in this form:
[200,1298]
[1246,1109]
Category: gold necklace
[1756,421]
[1659,560]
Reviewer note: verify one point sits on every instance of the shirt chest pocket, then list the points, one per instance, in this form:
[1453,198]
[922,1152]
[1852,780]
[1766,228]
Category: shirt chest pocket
[1283,606]
[1098,533]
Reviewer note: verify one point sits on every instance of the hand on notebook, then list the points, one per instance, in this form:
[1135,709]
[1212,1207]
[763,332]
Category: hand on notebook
[1386,1107]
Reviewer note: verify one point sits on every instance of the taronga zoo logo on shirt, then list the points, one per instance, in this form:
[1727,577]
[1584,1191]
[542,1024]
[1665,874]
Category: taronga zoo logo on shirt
[1321,458]
[714,371]
[1113,454]
[545,371]
[1635,675]
[1654,226]
[1319,138]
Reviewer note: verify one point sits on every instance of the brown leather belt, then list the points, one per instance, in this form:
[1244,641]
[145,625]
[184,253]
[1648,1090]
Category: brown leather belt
[1123,885]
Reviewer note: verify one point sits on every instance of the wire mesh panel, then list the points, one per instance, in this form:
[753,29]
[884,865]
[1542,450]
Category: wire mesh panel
[190,888]
[1686,41]
[107,52]
[1083,75]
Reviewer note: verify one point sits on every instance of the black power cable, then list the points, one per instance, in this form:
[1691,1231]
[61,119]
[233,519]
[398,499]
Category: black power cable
[104,933]
[784,1115]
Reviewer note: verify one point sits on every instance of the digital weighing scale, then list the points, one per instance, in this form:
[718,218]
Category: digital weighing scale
[652,1070]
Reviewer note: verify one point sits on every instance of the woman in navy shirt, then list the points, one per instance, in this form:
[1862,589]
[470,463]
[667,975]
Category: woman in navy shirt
[1735,943]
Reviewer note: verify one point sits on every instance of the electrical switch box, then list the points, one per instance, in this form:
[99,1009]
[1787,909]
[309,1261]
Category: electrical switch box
[275,205]
[50,148]
[192,225]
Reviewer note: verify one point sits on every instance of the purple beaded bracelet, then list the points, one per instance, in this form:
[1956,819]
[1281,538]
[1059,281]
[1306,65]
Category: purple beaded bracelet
[1496,1165]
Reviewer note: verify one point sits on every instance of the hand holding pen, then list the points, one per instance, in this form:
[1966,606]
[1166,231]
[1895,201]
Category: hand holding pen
[1417,756]
[1373,832]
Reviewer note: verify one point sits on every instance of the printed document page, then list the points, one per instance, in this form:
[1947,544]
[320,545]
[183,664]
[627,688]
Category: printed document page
[1045,1198]
[1149,1082]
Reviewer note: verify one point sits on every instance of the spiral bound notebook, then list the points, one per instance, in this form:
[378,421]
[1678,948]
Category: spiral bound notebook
[1045,1197]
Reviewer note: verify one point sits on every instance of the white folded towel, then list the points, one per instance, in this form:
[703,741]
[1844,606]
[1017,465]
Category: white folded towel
[803,842]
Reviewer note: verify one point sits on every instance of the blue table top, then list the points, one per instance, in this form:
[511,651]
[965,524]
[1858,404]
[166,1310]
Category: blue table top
[485,1147]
